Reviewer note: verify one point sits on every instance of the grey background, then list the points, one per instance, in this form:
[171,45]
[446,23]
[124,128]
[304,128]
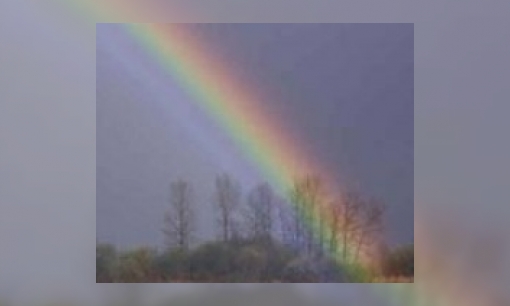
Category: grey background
[47,135]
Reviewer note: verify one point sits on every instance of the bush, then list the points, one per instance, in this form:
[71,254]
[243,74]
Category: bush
[400,262]
[136,266]
[173,265]
[248,260]
[212,262]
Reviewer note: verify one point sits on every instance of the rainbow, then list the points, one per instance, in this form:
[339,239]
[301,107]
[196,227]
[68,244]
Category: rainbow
[256,132]
[228,102]
[261,138]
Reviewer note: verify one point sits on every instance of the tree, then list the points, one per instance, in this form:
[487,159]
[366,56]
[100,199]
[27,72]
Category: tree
[335,215]
[286,216]
[226,198]
[307,196]
[179,222]
[259,213]
[351,203]
[370,223]
[356,223]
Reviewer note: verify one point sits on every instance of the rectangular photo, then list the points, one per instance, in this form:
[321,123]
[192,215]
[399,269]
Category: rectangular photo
[254,153]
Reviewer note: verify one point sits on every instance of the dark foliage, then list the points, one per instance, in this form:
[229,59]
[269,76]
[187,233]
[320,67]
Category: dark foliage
[246,261]
[400,262]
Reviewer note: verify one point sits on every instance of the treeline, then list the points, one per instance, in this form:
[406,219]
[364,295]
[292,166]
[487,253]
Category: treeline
[234,261]
[309,236]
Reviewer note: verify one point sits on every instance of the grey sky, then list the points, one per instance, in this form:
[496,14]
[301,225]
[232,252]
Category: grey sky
[345,90]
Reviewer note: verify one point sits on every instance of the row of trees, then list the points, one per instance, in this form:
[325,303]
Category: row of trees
[243,260]
[346,226]
[308,236]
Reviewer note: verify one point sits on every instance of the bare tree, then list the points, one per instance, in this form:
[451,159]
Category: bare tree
[297,197]
[259,212]
[307,196]
[335,215]
[286,217]
[179,222]
[357,221]
[370,223]
[351,203]
[226,198]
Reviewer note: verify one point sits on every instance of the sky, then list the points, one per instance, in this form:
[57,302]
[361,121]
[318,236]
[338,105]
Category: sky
[345,92]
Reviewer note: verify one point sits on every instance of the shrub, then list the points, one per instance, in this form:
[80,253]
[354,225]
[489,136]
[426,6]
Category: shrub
[400,262]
